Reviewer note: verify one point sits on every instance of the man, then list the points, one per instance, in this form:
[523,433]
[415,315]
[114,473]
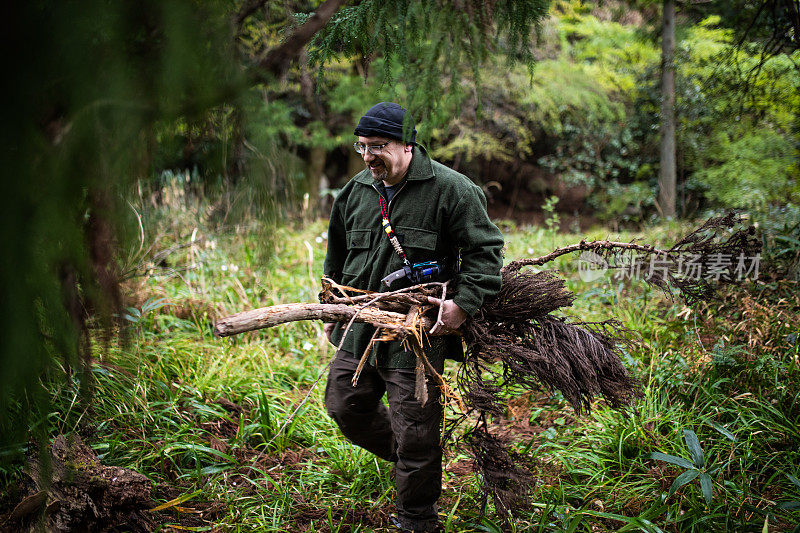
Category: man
[436,214]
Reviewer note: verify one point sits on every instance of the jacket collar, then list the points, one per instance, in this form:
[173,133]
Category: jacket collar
[420,168]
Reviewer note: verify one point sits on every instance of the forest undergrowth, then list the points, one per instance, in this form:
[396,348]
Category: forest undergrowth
[713,445]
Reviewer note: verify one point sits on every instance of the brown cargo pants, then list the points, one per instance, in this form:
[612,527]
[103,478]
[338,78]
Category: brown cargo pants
[406,433]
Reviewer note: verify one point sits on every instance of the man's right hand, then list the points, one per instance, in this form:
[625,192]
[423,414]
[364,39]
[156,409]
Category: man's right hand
[452,316]
[328,327]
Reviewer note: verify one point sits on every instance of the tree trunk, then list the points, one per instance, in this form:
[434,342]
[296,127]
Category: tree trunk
[667,177]
[317,155]
[315,176]
[355,163]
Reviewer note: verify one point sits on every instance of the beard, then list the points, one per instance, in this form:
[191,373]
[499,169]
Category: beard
[380,173]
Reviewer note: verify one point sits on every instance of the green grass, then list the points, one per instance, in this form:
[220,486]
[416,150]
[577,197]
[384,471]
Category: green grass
[196,413]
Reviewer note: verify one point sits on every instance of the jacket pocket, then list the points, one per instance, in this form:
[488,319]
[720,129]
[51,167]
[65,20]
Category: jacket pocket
[420,243]
[358,246]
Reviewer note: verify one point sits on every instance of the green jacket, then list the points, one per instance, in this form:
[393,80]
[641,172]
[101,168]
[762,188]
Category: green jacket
[437,214]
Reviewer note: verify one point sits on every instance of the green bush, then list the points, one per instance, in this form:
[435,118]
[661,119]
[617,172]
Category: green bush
[737,133]
[750,168]
[780,228]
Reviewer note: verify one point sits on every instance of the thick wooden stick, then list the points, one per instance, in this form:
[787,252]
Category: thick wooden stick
[266,317]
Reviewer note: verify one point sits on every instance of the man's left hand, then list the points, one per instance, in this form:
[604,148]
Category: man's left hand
[452,316]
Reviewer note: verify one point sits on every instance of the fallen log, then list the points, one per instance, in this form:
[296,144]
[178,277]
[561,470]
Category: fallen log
[72,491]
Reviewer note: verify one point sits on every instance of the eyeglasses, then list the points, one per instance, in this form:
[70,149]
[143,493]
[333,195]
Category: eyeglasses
[375,149]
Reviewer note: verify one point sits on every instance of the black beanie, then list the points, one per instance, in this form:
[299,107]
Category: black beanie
[386,120]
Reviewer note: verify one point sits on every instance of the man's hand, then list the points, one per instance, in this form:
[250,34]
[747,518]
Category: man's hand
[452,316]
[328,327]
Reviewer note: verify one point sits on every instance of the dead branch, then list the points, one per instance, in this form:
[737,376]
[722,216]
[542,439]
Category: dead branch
[266,317]
[594,246]
[396,302]
[719,246]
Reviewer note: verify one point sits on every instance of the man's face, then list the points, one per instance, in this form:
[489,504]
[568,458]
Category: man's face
[391,165]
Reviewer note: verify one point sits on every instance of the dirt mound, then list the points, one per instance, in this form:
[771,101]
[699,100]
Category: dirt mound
[80,494]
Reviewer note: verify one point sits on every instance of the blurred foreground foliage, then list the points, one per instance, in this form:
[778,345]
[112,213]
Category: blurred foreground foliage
[90,81]
[116,105]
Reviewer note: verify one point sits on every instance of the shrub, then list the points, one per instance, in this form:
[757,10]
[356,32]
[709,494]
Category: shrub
[750,168]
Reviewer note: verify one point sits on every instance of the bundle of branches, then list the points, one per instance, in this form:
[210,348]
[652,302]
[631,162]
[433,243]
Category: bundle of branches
[516,342]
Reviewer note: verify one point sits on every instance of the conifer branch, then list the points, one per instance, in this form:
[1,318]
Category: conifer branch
[245,11]
[277,60]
